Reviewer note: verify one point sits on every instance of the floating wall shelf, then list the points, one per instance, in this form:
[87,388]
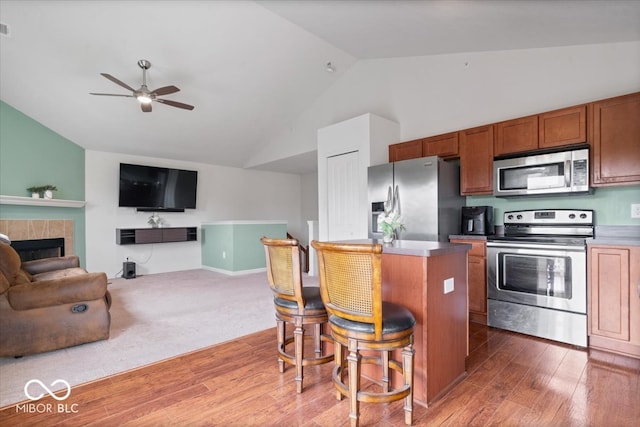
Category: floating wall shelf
[30,201]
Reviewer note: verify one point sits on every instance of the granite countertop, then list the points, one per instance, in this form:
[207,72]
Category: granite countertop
[467,237]
[416,247]
[625,235]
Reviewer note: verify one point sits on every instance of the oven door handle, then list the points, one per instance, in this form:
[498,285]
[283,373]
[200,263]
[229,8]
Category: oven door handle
[536,246]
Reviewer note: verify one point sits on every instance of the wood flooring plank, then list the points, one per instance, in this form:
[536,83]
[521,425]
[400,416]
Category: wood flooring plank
[512,380]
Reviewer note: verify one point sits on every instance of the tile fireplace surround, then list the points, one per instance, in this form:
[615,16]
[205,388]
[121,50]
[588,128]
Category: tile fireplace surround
[31,229]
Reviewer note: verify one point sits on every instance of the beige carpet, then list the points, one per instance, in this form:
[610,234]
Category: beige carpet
[153,317]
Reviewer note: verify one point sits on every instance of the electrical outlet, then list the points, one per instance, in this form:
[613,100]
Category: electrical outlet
[635,210]
[448,285]
[224,254]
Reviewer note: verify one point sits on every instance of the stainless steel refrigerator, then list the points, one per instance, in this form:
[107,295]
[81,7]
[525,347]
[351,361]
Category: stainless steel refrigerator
[427,192]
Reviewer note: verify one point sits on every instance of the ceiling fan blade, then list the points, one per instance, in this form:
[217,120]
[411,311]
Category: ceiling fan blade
[111,94]
[118,82]
[176,104]
[167,90]
[146,107]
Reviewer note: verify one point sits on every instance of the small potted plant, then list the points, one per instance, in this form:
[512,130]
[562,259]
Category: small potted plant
[35,191]
[48,191]
[45,191]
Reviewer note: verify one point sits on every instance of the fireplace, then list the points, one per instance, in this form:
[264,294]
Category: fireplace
[39,248]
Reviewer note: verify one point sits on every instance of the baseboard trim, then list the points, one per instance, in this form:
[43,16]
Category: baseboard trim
[234,273]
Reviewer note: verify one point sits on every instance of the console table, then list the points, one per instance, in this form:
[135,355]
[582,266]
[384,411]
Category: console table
[137,236]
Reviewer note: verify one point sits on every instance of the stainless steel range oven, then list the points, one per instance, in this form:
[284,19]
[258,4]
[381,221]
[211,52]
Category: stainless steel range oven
[537,274]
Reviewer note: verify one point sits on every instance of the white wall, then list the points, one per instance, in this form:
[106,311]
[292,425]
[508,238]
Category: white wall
[368,135]
[309,204]
[224,193]
[430,95]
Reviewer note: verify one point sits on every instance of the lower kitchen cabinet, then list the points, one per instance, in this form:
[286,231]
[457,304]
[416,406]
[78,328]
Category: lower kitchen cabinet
[614,298]
[477,268]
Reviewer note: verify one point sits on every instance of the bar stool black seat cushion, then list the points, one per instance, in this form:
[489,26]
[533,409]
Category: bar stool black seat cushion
[312,299]
[395,318]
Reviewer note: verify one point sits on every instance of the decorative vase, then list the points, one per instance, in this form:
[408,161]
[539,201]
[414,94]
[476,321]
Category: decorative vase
[387,238]
[48,194]
[35,195]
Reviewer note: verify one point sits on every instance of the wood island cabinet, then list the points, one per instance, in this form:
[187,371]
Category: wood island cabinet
[476,160]
[614,298]
[615,140]
[477,271]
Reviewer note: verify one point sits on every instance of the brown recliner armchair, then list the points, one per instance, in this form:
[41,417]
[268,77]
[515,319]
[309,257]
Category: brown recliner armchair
[48,304]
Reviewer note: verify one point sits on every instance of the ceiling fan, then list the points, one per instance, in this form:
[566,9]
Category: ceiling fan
[143,94]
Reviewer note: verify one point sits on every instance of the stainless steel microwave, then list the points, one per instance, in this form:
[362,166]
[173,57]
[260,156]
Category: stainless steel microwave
[551,173]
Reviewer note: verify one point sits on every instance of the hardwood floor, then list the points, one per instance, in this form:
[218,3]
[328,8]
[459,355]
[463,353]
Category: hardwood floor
[512,380]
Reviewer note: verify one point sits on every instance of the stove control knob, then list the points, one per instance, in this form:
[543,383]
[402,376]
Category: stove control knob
[519,217]
[572,216]
[509,216]
[583,215]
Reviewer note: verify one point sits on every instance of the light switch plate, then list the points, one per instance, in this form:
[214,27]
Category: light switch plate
[448,285]
[635,210]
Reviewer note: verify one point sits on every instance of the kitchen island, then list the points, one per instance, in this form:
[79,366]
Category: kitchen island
[430,279]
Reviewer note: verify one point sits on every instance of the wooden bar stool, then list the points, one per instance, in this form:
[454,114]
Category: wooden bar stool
[351,288]
[294,304]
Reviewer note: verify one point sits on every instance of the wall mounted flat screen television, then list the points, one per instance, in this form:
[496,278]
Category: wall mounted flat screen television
[150,188]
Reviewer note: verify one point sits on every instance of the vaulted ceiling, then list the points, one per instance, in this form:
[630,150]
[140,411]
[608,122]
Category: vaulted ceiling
[249,68]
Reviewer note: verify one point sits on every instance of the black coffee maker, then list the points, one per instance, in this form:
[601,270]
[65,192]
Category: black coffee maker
[477,220]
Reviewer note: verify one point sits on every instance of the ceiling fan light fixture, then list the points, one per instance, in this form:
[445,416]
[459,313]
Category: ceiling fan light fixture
[145,96]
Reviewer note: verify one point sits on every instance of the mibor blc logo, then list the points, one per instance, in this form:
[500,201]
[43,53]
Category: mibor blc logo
[60,408]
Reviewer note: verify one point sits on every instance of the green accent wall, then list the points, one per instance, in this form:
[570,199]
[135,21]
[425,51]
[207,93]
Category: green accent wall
[235,246]
[32,154]
[611,205]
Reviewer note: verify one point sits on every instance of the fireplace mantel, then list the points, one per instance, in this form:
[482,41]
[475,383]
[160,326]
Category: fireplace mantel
[17,200]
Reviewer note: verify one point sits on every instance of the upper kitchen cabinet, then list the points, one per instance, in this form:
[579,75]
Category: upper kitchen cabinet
[614,136]
[445,146]
[548,130]
[405,150]
[476,160]
[562,127]
[516,136]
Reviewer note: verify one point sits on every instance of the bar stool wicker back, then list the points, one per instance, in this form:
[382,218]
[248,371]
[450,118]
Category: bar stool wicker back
[296,305]
[351,288]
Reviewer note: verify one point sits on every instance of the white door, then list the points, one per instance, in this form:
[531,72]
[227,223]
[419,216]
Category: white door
[343,196]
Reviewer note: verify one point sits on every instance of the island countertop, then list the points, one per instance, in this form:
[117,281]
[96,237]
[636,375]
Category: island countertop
[415,247]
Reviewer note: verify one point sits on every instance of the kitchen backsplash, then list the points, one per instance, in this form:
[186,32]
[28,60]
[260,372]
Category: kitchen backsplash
[612,205]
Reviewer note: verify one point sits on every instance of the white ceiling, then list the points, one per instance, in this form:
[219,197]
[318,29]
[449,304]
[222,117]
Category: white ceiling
[249,68]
